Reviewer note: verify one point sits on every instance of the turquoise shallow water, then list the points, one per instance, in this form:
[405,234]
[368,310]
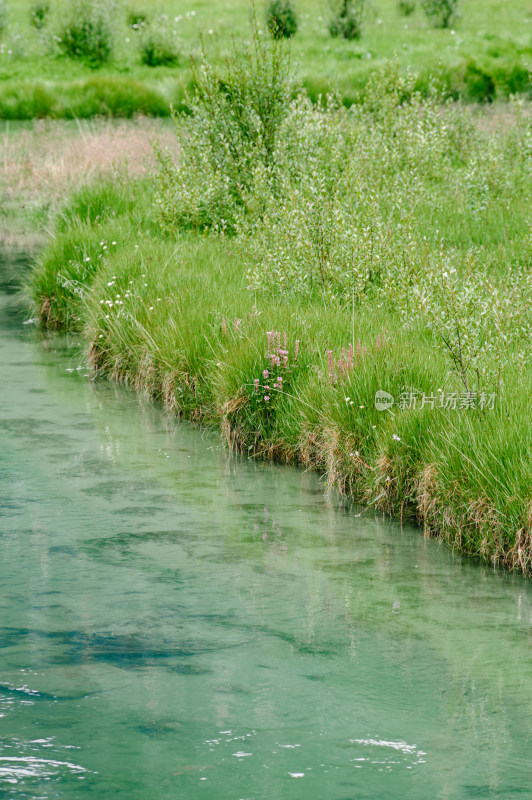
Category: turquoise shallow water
[177,623]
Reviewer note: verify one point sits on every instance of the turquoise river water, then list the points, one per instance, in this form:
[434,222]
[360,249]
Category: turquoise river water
[178,623]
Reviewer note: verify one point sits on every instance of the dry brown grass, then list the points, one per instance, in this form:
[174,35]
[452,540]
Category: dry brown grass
[42,163]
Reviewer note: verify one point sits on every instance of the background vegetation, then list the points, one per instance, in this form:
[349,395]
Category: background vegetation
[136,56]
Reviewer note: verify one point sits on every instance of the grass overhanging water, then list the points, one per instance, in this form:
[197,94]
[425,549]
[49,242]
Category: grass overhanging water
[302,261]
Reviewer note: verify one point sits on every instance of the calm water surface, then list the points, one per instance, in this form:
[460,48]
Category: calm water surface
[176,623]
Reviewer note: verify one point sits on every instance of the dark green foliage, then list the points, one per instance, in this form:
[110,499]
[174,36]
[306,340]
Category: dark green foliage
[479,84]
[347,18]
[406,7]
[3,16]
[158,47]
[440,12]
[281,19]
[87,34]
[39,13]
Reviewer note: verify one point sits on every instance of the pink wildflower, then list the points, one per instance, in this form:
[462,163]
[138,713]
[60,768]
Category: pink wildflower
[256,385]
[265,374]
[330,360]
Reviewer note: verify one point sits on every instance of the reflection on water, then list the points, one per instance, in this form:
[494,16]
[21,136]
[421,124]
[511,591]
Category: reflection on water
[179,623]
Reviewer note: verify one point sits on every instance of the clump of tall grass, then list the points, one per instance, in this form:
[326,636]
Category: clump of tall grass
[99,95]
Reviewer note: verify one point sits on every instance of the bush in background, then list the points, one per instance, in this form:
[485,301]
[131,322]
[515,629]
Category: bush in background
[440,12]
[347,18]
[406,7]
[159,47]
[39,13]
[87,33]
[137,19]
[281,19]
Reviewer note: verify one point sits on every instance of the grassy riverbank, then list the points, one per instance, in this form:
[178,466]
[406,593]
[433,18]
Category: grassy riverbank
[278,312]
[486,54]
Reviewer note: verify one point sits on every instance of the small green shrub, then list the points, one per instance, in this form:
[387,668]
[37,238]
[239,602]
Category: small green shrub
[347,18]
[406,7]
[440,12]
[39,13]
[228,139]
[87,33]
[281,19]
[158,47]
[479,84]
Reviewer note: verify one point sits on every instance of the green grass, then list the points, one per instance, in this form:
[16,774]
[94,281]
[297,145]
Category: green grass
[186,330]
[486,56]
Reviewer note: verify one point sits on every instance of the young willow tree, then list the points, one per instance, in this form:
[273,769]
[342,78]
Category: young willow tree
[228,137]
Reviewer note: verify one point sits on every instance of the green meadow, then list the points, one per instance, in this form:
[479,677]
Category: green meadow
[485,55]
